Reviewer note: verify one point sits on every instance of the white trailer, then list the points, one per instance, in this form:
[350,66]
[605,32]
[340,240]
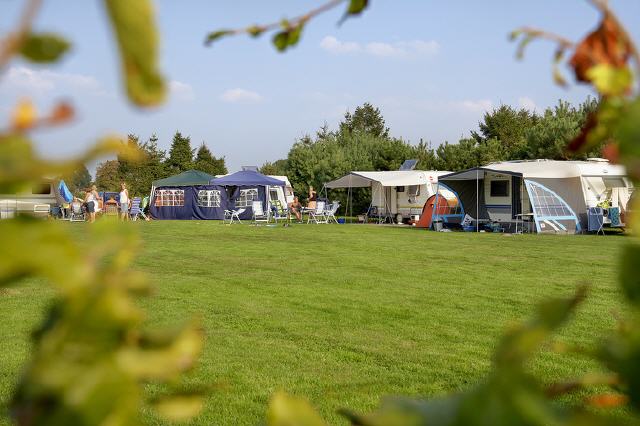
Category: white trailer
[395,195]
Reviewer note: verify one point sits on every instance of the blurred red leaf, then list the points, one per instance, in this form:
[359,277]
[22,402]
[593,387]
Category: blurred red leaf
[611,152]
[607,400]
[580,141]
[607,44]
[61,113]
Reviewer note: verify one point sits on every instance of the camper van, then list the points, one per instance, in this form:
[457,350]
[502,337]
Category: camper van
[37,201]
[283,195]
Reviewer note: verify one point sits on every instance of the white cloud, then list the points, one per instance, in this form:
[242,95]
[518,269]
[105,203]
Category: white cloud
[241,96]
[381,49]
[41,81]
[471,105]
[333,45]
[527,103]
[181,90]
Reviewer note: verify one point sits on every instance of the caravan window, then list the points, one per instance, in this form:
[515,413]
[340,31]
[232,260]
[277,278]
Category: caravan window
[614,182]
[499,188]
[169,198]
[413,190]
[247,196]
[41,189]
[209,198]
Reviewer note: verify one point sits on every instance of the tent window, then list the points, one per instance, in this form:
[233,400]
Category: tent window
[41,189]
[548,205]
[169,198]
[499,188]
[209,198]
[247,196]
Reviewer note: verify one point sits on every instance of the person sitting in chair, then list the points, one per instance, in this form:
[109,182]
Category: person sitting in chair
[295,208]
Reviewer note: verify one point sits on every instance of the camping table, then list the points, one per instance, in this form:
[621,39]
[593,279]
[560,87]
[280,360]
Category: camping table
[522,216]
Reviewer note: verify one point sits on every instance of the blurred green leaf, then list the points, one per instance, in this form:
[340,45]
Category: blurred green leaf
[180,407]
[281,40]
[286,410]
[136,32]
[629,276]
[521,342]
[216,35]
[288,37]
[610,80]
[44,47]
[255,30]
[627,133]
[357,6]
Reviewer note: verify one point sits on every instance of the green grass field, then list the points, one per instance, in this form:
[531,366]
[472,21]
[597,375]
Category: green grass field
[344,315]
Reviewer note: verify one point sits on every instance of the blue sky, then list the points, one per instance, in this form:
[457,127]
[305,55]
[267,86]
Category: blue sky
[433,68]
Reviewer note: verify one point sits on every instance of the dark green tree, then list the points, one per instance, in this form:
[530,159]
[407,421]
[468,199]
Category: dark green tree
[150,166]
[558,126]
[277,168]
[206,162]
[107,176]
[78,180]
[365,119]
[180,154]
[507,125]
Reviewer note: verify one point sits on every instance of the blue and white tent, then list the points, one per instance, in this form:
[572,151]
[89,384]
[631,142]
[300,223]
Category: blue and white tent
[246,186]
[188,195]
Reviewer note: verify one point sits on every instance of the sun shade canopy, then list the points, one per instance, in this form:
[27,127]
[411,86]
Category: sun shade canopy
[246,178]
[188,178]
[389,178]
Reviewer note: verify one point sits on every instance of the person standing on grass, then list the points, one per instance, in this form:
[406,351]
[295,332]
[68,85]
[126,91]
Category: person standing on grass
[125,202]
[90,202]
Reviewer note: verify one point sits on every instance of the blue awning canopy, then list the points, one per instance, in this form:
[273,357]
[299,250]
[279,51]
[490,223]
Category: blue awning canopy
[246,178]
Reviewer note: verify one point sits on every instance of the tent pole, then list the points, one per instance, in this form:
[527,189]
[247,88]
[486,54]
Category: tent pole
[477,202]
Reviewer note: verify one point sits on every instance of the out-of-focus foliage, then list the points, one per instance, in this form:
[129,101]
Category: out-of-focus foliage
[44,47]
[92,354]
[135,30]
[289,31]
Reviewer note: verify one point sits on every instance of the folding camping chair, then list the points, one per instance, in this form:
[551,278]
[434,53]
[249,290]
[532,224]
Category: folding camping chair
[259,215]
[317,215]
[232,215]
[330,212]
[76,213]
[595,220]
[143,207]
[135,209]
[280,212]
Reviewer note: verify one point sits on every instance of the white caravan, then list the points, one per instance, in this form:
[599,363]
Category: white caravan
[395,195]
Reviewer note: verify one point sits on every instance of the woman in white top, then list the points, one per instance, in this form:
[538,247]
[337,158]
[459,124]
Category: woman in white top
[125,202]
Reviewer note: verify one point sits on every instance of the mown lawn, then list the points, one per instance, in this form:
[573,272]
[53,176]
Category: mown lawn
[346,314]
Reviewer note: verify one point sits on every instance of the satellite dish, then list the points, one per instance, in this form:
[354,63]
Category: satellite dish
[409,165]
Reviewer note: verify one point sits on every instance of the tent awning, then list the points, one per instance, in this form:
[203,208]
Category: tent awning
[387,178]
[188,178]
[246,178]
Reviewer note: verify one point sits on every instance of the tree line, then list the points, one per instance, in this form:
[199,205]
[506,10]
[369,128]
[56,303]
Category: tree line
[153,164]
